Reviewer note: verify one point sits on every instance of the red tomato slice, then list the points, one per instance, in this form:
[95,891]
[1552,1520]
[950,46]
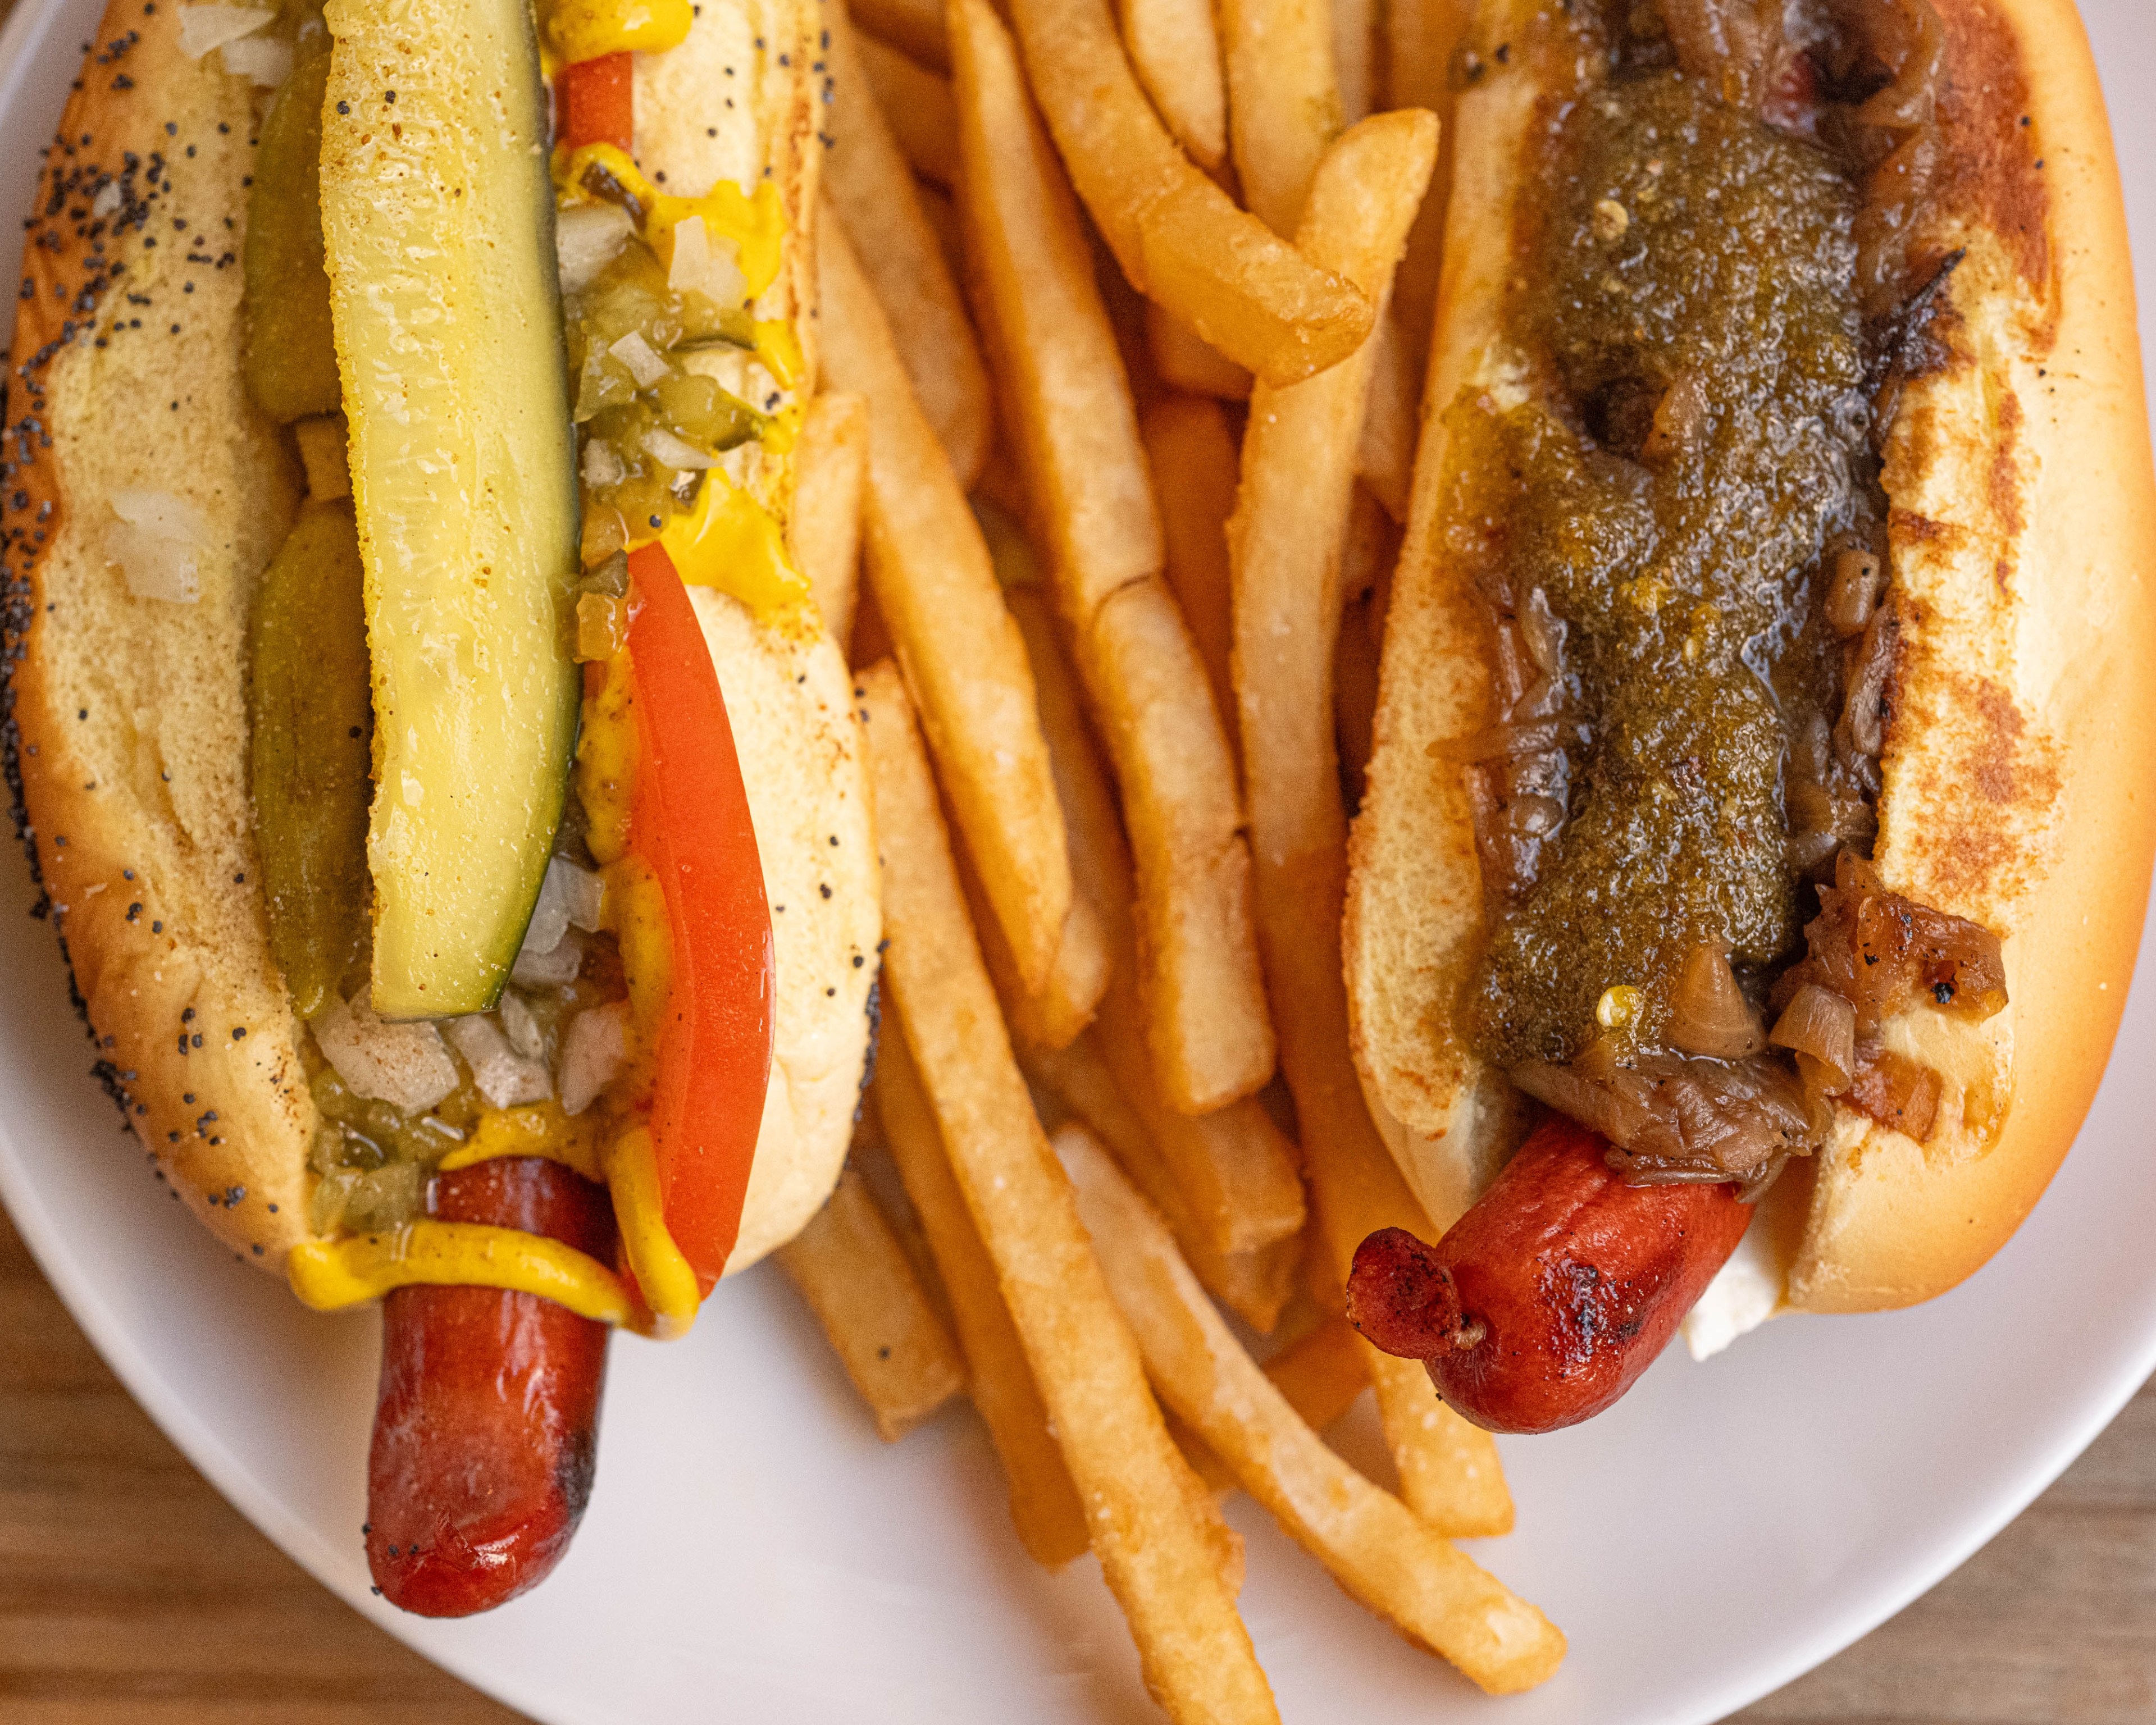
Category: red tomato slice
[689,821]
[596,102]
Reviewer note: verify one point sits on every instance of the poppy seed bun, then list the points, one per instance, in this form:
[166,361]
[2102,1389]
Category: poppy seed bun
[2021,744]
[128,732]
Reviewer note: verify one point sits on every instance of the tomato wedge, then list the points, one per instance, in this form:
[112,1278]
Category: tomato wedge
[596,102]
[689,822]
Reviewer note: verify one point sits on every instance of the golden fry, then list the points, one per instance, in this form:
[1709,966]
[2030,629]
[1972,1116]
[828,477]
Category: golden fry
[1378,1549]
[1175,50]
[855,1276]
[913,27]
[1285,542]
[1253,1284]
[1182,362]
[1283,101]
[917,102]
[1192,452]
[870,186]
[936,592]
[831,463]
[1086,472]
[1391,419]
[1423,38]
[1056,1016]
[1178,237]
[1150,1523]
[1050,1521]
[1236,1172]
[1355,58]
[1322,1374]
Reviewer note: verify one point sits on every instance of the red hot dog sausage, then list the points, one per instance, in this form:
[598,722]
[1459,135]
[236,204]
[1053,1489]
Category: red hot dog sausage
[486,1423]
[1545,1302]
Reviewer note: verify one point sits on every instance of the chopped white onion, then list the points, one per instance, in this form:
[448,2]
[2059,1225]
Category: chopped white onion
[518,1026]
[700,265]
[158,541]
[505,1078]
[568,895]
[108,200]
[551,969]
[602,466]
[203,27]
[265,61]
[662,445]
[641,357]
[587,238]
[594,1048]
[402,1064]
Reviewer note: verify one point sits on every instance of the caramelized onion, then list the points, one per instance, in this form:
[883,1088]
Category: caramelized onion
[1708,1012]
[1821,1024]
[1734,44]
[1880,952]
[1501,742]
[1896,1093]
[1853,595]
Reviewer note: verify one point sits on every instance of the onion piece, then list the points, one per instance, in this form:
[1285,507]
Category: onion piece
[700,265]
[554,969]
[587,237]
[641,357]
[205,28]
[158,541]
[662,446]
[505,1078]
[593,1050]
[1820,1023]
[405,1065]
[1708,1012]
[518,1026]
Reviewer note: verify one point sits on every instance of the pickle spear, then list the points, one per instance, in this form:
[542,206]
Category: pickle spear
[438,220]
[290,361]
[308,702]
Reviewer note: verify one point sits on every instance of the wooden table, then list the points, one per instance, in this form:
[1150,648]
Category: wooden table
[132,1595]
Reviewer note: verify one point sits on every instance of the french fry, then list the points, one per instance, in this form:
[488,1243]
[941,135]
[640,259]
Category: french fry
[1236,1172]
[856,1278]
[1194,463]
[1077,428]
[1384,459]
[1182,362]
[1175,50]
[941,216]
[1321,1373]
[936,592]
[1178,237]
[1050,1521]
[870,186]
[1054,1016]
[917,102]
[1355,58]
[1285,543]
[1422,38]
[1378,1549]
[1149,1521]
[1283,101]
[1253,1284]
[831,460]
[913,27]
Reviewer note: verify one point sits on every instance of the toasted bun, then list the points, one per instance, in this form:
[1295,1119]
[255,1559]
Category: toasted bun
[2022,736]
[128,732]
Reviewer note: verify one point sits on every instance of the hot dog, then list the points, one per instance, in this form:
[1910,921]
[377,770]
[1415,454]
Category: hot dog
[448,798]
[1761,701]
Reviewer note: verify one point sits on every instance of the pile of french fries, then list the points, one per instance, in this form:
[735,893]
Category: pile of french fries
[1123,314]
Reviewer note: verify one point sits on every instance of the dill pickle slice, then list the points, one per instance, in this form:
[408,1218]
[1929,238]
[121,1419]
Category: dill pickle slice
[437,210]
[289,357]
[312,719]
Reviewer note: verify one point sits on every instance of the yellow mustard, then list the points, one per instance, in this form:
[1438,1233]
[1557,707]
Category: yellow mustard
[663,1275]
[586,30]
[330,1275]
[607,748]
[757,225]
[730,542]
[540,1129]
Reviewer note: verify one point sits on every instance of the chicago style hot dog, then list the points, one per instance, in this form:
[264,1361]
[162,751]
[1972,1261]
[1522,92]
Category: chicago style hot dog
[450,799]
[1764,720]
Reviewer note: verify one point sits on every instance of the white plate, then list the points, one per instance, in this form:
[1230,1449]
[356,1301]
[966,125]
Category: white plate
[753,1553]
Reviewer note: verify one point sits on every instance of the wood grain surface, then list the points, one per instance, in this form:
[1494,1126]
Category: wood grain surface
[131,1593]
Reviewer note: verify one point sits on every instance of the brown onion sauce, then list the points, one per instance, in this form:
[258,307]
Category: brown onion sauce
[1859,78]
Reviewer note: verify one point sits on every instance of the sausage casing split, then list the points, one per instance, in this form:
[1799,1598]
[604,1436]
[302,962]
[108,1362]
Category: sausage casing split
[1549,1298]
[486,1423]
